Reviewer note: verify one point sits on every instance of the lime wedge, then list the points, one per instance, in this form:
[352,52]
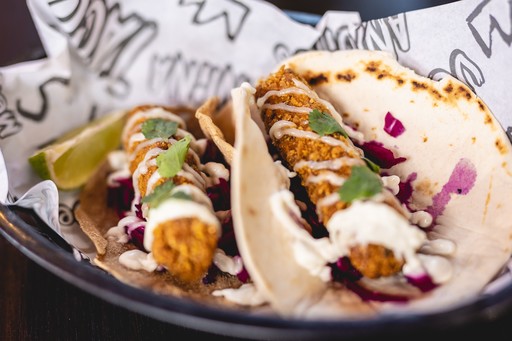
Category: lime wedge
[73,158]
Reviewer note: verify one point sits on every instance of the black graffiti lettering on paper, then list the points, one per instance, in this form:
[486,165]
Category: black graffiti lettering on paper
[509,133]
[9,125]
[390,34]
[233,12]
[462,68]
[39,114]
[108,42]
[281,52]
[488,17]
[191,81]
[66,214]
[335,40]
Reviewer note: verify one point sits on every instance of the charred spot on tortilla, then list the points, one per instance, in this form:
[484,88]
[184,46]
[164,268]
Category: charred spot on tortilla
[418,85]
[501,146]
[346,76]
[317,79]
[373,66]
[448,88]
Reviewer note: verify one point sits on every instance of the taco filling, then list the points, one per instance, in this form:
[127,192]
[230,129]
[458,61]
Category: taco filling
[171,194]
[367,225]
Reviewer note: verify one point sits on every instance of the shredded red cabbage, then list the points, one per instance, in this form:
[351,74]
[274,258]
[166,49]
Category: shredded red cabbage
[136,233]
[393,126]
[120,196]
[344,272]
[227,241]
[220,195]
[318,230]
[379,154]
[212,153]
[405,189]
[423,282]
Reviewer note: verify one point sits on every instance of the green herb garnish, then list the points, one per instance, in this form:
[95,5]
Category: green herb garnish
[372,165]
[162,192]
[171,161]
[324,124]
[157,127]
[362,184]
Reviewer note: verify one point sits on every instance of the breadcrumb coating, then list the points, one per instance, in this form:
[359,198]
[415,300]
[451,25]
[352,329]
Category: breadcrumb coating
[185,247]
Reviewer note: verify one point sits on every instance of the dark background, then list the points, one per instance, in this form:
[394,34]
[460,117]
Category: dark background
[36,305]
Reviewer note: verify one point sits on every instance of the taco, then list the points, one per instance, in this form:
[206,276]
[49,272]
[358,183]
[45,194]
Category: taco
[158,211]
[396,197]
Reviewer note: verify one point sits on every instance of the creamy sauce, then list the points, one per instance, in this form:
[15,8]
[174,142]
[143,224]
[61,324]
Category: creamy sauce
[118,232]
[421,218]
[331,177]
[138,260]
[392,182]
[216,171]
[333,164]
[230,265]
[247,295]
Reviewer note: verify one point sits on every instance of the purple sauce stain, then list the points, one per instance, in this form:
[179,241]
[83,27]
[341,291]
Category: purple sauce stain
[461,181]
[393,126]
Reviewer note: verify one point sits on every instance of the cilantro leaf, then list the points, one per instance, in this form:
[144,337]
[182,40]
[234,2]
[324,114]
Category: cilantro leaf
[157,127]
[324,124]
[372,165]
[171,161]
[181,195]
[159,194]
[163,192]
[362,184]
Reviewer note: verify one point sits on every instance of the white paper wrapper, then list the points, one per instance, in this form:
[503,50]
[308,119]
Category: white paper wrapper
[109,55]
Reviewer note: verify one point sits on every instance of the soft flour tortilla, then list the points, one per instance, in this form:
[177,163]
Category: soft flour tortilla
[455,148]
[450,136]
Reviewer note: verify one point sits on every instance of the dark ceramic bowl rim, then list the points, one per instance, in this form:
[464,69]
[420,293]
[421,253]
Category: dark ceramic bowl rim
[192,314]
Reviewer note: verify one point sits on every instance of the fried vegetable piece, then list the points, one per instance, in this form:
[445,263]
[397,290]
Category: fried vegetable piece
[184,237]
[323,163]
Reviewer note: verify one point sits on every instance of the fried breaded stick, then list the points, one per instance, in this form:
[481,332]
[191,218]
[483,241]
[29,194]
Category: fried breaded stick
[323,163]
[181,234]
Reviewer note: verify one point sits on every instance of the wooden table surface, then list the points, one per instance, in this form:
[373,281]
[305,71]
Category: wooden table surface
[37,305]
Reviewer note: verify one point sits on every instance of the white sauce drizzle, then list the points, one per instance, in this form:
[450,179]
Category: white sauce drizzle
[333,164]
[392,182]
[247,294]
[138,260]
[421,218]
[231,265]
[331,177]
[215,171]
